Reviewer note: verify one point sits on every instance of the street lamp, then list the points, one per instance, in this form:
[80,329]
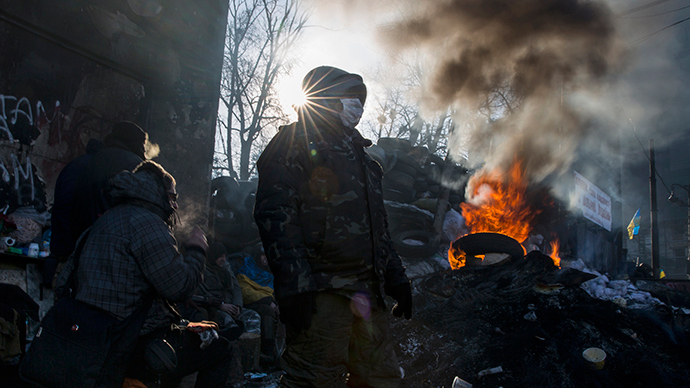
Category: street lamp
[674,199]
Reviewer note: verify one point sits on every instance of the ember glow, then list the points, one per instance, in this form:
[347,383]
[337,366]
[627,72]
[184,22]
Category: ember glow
[497,203]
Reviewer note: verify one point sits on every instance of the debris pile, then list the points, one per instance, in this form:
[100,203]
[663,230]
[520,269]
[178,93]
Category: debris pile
[526,323]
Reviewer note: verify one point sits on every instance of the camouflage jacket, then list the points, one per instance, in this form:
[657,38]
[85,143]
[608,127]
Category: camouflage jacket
[319,210]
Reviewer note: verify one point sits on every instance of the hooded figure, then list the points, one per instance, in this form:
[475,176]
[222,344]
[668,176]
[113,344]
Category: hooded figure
[130,255]
[319,210]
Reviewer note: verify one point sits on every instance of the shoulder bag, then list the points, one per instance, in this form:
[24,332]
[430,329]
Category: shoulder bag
[80,346]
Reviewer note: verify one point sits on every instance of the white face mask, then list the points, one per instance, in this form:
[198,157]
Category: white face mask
[352,111]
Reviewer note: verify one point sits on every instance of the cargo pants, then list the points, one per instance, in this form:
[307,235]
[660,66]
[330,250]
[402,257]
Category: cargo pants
[344,347]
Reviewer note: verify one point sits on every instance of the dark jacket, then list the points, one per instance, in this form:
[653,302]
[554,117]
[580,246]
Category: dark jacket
[130,252]
[221,283]
[90,201]
[62,239]
[319,210]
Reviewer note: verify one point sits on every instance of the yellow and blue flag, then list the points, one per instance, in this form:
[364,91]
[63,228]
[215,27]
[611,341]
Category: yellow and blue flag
[634,225]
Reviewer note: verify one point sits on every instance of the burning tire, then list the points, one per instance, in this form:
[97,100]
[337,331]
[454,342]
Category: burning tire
[415,244]
[482,243]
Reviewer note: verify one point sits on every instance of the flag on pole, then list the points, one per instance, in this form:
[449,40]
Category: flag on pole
[634,225]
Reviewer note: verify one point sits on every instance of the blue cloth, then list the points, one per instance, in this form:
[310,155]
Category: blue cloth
[253,272]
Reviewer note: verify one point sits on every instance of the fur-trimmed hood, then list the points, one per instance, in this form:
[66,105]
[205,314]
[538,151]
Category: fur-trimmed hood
[144,187]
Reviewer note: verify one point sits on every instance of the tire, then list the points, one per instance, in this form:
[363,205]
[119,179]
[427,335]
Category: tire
[483,243]
[454,198]
[390,144]
[409,161]
[420,186]
[436,160]
[378,154]
[388,184]
[400,177]
[433,173]
[405,169]
[402,196]
[420,150]
[415,244]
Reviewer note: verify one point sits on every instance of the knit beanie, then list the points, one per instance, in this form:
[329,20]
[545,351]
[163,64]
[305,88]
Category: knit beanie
[129,135]
[215,251]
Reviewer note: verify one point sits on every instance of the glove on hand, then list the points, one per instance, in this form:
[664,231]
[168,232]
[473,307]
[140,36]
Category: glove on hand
[402,293]
[297,310]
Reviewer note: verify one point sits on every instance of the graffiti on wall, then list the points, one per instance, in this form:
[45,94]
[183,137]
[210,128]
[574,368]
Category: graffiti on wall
[20,120]
[20,186]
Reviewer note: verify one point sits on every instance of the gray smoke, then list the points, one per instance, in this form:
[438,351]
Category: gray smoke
[543,58]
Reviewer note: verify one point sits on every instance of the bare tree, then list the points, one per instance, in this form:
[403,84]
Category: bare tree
[397,110]
[259,39]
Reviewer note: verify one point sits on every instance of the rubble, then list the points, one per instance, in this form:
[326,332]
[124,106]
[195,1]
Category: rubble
[513,315]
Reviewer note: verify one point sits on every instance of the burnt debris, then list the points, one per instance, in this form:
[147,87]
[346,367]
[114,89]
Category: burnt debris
[516,315]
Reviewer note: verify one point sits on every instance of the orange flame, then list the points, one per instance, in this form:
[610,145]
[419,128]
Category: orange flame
[555,246]
[498,204]
[456,257]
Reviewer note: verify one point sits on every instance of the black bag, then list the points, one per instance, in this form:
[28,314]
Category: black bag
[81,346]
[70,347]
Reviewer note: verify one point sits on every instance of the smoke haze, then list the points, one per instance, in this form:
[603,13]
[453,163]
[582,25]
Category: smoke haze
[543,56]
[583,79]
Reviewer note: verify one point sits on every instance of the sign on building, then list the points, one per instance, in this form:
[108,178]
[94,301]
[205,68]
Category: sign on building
[594,203]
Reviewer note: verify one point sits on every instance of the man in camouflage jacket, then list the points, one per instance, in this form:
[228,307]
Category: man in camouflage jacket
[320,213]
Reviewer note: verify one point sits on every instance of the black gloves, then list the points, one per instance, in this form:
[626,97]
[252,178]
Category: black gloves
[296,310]
[402,293]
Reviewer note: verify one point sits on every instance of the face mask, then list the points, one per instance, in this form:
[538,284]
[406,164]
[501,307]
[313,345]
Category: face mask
[352,111]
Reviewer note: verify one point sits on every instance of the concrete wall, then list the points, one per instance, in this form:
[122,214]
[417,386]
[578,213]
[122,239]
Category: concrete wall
[70,69]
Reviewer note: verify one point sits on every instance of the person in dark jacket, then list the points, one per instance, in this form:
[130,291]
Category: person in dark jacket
[320,213]
[220,295]
[62,239]
[131,255]
[125,147]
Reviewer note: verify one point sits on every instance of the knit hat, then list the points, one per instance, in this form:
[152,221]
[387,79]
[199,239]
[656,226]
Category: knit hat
[326,82]
[215,251]
[130,136]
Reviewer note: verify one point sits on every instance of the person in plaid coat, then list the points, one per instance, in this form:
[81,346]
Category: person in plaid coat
[130,254]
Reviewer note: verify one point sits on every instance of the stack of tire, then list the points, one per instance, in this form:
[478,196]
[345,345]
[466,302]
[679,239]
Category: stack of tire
[399,180]
[405,180]
[411,173]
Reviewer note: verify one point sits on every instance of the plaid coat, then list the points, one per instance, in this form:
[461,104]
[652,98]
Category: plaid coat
[130,252]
